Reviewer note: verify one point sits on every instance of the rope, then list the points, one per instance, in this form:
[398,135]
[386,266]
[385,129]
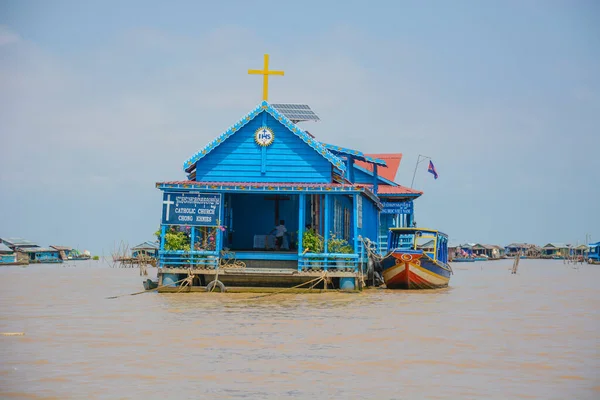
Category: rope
[371,246]
[316,280]
[216,279]
[187,281]
[145,291]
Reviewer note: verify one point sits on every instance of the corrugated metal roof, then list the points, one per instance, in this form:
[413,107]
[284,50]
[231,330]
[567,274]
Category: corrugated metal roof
[518,245]
[388,172]
[38,250]
[61,248]
[556,246]
[356,154]
[20,242]
[146,245]
[5,249]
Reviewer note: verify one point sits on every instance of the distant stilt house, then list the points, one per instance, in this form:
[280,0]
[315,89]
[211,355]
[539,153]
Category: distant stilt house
[467,249]
[453,251]
[427,246]
[488,250]
[41,255]
[482,250]
[515,249]
[146,249]
[556,250]
[497,251]
[593,253]
[64,252]
[18,243]
[579,251]
[7,255]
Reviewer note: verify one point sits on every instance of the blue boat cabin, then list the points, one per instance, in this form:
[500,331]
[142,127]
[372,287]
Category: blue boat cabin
[269,193]
[430,242]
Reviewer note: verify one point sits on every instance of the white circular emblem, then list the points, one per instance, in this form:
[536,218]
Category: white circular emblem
[264,136]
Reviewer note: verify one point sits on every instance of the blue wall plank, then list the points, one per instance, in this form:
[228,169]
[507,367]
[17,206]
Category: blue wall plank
[370,220]
[289,159]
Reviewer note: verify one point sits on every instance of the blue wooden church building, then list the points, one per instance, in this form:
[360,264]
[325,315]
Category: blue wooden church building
[266,204]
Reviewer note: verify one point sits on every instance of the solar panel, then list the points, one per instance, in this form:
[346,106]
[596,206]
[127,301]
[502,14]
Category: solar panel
[297,112]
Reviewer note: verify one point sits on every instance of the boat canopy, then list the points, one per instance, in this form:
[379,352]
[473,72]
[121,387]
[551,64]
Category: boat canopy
[429,241]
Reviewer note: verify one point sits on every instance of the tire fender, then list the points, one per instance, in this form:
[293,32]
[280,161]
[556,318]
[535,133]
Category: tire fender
[219,286]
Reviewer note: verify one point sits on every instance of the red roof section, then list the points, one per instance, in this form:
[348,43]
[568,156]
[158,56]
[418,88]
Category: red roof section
[392,160]
[388,189]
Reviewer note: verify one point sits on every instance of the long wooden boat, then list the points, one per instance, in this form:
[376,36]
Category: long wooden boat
[463,259]
[408,266]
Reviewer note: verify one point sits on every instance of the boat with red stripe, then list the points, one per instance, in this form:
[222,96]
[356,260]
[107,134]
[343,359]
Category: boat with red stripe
[419,259]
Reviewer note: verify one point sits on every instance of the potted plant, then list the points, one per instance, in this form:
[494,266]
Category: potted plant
[312,242]
[339,246]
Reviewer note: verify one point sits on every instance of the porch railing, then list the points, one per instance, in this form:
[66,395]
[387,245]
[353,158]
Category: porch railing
[327,261]
[188,259]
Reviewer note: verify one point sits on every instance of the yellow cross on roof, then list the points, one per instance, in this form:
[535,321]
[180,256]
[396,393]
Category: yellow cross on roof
[265,73]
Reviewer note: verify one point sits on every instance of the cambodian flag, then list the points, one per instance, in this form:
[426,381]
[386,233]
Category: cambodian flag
[432,170]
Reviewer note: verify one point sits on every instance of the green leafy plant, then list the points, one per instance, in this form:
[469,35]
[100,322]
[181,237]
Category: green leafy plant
[96,258]
[338,245]
[312,242]
[175,239]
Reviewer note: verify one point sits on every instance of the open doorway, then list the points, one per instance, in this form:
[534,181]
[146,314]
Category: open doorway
[251,219]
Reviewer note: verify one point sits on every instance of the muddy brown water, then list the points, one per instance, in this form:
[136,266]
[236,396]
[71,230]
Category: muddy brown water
[491,335]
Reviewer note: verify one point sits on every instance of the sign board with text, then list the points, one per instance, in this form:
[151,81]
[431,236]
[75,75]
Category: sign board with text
[390,207]
[193,209]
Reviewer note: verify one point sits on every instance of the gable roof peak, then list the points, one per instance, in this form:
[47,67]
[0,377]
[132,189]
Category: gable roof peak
[264,106]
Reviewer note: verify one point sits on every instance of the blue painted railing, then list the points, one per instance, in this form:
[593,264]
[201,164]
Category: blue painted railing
[188,259]
[326,261]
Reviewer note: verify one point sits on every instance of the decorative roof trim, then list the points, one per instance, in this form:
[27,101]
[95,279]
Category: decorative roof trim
[260,187]
[356,154]
[265,106]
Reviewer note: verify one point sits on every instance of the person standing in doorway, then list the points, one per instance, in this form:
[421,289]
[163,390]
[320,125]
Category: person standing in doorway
[280,230]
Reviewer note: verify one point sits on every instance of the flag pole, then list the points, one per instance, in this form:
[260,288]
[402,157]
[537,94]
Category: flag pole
[416,166]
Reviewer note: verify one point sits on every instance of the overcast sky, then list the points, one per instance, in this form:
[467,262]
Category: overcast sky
[99,100]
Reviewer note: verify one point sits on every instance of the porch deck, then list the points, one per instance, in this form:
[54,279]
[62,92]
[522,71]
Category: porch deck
[254,279]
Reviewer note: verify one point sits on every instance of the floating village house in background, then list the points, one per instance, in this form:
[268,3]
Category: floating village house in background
[265,169]
[7,255]
[146,249]
[556,250]
[31,252]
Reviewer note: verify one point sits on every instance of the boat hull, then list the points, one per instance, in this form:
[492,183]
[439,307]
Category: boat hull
[403,270]
[149,284]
